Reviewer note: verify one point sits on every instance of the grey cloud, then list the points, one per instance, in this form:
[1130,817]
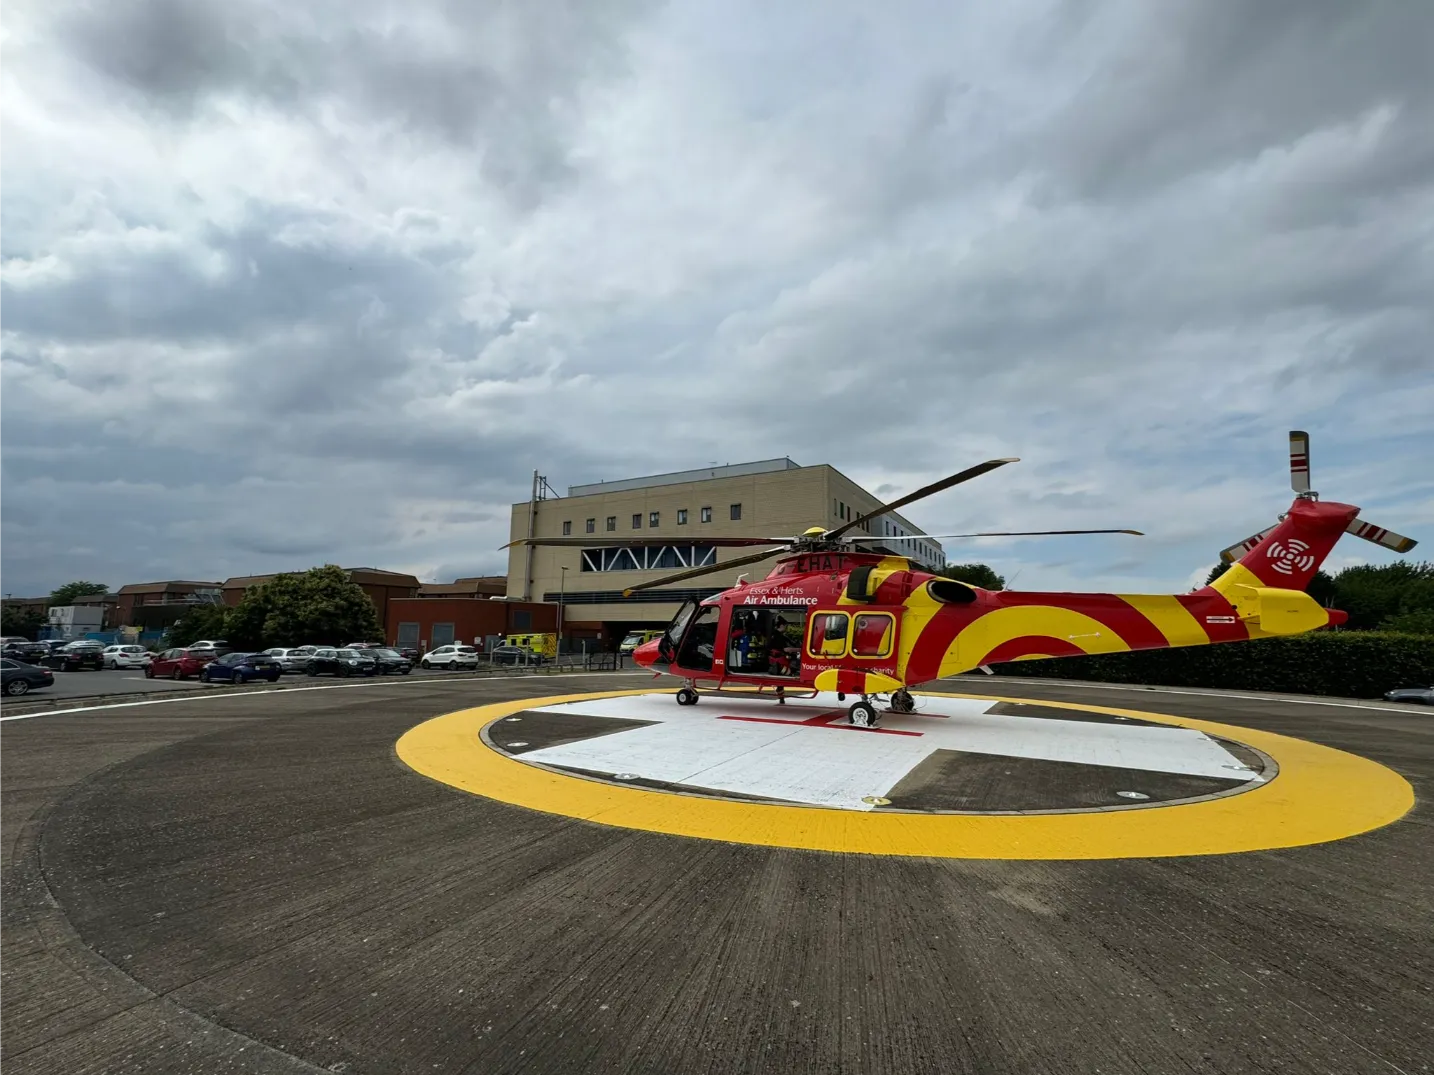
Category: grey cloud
[503,79]
[1194,87]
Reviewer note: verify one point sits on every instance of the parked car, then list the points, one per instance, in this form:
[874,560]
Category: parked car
[515,655]
[291,659]
[1411,694]
[637,638]
[177,663]
[240,668]
[451,656]
[25,651]
[341,662]
[216,646]
[76,655]
[19,678]
[409,653]
[389,661]
[126,656]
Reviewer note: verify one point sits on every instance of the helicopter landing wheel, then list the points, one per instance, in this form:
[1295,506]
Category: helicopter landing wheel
[862,714]
[686,696]
[902,702]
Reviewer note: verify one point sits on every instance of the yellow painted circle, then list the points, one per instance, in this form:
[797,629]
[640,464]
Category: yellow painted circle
[1320,794]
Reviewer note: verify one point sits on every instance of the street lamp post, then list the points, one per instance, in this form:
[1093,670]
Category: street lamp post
[562,595]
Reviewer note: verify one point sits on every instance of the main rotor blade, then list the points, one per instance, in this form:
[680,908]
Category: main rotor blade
[925,491]
[647,542]
[1380,536]
[995,533]
[710,569]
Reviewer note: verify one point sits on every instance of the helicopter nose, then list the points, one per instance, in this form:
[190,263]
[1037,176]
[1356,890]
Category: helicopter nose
[646,654]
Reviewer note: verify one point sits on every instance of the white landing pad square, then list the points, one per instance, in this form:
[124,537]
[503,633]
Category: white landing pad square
[750,748]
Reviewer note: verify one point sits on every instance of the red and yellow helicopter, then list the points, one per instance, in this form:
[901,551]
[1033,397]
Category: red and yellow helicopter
[832,616]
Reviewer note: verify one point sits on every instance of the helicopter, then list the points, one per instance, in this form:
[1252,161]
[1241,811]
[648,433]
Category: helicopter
[834,616]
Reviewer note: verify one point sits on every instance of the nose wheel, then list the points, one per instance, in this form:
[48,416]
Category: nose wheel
[862,714]
[686,696]
[902,702]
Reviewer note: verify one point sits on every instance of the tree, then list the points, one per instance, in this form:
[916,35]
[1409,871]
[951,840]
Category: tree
[974,575]
[1420,622]
[201,621]
[67,593]
[320,605]
[22,620]
[1374,596]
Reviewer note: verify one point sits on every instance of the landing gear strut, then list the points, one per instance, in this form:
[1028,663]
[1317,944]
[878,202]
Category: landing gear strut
[902,702]
[862,714]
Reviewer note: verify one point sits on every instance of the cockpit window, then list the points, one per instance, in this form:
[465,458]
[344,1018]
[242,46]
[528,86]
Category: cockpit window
[672,637]
[700,642]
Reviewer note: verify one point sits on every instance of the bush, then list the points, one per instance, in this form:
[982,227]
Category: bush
[1349,664]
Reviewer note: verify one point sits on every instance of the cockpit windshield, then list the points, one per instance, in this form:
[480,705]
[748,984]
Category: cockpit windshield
[667,649]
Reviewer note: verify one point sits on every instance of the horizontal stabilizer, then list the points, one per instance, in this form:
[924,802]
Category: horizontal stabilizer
[1377,534]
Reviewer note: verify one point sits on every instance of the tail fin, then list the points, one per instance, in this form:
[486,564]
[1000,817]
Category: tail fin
[1288,555]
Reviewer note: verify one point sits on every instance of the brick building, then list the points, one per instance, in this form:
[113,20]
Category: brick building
[429,622]
[153,606]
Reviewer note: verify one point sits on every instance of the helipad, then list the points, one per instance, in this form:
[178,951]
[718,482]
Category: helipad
[964,776]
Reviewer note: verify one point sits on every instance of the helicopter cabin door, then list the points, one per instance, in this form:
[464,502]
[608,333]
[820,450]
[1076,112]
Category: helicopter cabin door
[764,642]
[863,639]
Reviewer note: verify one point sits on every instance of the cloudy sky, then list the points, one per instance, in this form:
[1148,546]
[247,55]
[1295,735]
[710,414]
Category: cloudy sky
[293,283]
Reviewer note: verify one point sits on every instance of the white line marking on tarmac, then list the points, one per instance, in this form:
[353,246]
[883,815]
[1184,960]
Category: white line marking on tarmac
[196,695]
[1352,704]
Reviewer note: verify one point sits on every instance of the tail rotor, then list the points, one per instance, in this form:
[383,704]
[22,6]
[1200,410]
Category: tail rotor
[1289,552]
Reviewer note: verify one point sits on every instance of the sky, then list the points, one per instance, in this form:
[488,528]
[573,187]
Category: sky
[287,284]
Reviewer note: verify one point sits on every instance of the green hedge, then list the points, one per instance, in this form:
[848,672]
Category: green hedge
[1350,664]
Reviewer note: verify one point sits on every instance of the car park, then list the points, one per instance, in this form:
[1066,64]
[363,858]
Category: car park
[19,678]
[129,656]
[76,656]
[178,663]
[1417,695]
[388,661]
[240,668]
[25,651]
[451,656]
[327,660]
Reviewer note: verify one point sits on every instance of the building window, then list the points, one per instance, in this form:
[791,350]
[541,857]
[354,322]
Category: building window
[652,518]
[648,557]
[612,522]
[735,512]
[407,634]
[442,635]
[681,516]
[637,520]
[706,515]
[568,528]
[591,526]
[522,620]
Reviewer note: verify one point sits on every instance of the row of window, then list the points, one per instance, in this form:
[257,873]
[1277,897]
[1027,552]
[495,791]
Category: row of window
[911,544]
[648,557]
[654,520]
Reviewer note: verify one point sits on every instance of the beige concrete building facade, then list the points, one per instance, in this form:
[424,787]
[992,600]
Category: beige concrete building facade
[769,498]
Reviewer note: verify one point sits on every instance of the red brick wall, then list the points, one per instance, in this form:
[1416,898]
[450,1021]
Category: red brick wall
[471,617]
